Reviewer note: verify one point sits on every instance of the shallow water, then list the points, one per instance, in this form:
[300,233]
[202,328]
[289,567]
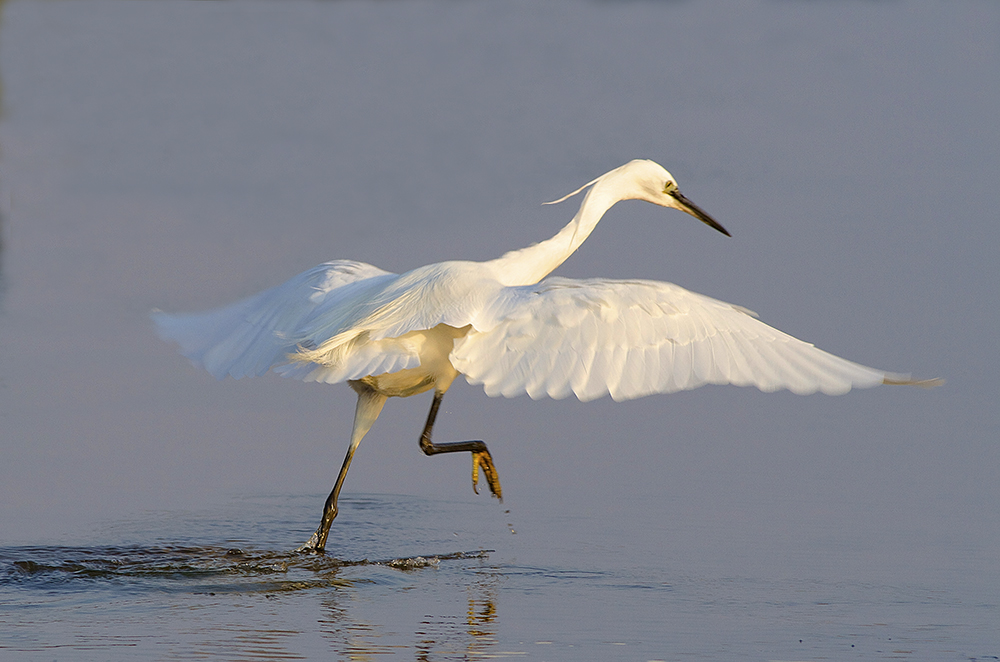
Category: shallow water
[240,598]
[181,155]
[429,597]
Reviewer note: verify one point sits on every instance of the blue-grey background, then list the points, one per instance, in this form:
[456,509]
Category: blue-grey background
[180,155]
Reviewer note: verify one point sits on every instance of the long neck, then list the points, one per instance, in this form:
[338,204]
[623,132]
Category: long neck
[529,265]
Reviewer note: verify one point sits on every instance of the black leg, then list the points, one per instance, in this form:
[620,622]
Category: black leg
[369,405]
[481,458]
[317,542]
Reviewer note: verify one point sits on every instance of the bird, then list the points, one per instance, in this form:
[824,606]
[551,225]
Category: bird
[504,325]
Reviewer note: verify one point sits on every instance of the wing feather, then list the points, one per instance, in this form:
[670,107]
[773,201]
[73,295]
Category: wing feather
[651,356]
[249,337]
[739,370]
[630,380]
[633,338]
[680,373]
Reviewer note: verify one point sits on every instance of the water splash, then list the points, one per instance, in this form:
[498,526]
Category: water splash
[190,568]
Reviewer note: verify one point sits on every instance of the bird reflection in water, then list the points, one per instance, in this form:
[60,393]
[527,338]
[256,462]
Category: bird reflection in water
[444,635]
[437,636]
[243,598]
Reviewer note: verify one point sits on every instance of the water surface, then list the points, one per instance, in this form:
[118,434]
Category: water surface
[247,597]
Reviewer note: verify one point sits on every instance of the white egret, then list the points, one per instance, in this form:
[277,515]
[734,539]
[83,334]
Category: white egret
[502,326]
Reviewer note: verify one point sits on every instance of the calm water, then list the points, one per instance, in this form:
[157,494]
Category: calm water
[180,155]
[400,581]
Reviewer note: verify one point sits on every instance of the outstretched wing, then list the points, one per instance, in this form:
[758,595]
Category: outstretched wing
[252,335]
[634,338]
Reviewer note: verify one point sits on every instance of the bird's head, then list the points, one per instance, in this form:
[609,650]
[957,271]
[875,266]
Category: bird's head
[643,179]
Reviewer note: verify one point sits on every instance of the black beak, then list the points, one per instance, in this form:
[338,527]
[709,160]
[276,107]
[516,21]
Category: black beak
[696,211]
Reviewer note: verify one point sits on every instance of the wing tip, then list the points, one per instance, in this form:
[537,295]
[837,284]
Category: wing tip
[905,380]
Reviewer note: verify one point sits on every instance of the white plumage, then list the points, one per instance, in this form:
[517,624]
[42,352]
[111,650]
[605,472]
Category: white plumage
[495,323]
[635,338]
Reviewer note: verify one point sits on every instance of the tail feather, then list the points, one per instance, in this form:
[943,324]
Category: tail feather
[225,341]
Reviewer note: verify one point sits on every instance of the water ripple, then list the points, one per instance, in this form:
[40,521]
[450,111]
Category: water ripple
[189,568]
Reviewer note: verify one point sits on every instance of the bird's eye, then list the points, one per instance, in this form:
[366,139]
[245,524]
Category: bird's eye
[670,187]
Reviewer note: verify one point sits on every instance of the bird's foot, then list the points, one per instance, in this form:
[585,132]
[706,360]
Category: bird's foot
[483,460]
[311,546]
